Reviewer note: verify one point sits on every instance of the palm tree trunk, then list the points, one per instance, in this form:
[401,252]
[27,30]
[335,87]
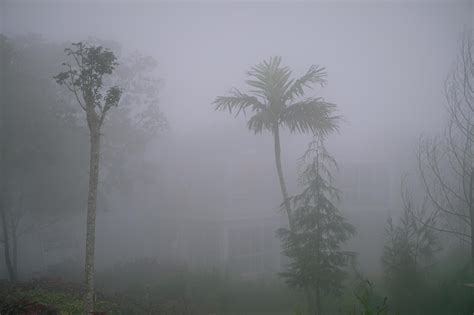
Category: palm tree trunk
[284,192]
[91,216]
[317,292]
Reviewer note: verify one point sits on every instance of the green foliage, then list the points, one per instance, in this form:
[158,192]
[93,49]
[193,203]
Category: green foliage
[447,289]
[407,256]
[149,286]
[84,77]
[369,302]
[58,296]
[273,100]
[91,63]
[298,310]
[313,244]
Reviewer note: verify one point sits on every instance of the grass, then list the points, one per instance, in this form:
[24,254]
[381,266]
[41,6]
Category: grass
[61,297]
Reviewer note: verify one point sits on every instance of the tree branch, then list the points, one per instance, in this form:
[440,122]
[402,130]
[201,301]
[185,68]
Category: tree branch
[460,235]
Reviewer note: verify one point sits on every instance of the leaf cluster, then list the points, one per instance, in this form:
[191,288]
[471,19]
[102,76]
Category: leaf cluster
[84,76]
[275,99]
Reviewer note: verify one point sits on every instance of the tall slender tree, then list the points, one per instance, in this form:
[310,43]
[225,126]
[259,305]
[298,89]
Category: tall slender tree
[84,77]
[6,49]
[313,245]
[276,101]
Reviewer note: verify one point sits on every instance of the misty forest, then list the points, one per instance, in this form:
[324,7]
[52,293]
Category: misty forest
[237,157]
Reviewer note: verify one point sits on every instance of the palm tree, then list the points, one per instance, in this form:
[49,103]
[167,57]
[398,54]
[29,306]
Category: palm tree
[276,100]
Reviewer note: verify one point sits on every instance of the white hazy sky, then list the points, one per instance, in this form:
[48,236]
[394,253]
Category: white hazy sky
[386,60]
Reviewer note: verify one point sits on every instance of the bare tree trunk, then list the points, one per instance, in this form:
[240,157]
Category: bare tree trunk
[15,252]
[317,300]
[284,192]
[309,300]
[6,246]
[91,216]
[471,216]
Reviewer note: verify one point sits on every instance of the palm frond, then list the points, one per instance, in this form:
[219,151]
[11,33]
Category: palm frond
[269,79]
[312,114]
[315,74]
[263,120]
[238,102]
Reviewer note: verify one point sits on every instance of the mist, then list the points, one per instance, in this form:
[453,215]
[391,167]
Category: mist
[194,209]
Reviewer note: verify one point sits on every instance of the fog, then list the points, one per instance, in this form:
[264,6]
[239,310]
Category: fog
[204,184]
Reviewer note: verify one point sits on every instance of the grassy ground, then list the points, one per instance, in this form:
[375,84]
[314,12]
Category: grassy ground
[58,297]
[53,296]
